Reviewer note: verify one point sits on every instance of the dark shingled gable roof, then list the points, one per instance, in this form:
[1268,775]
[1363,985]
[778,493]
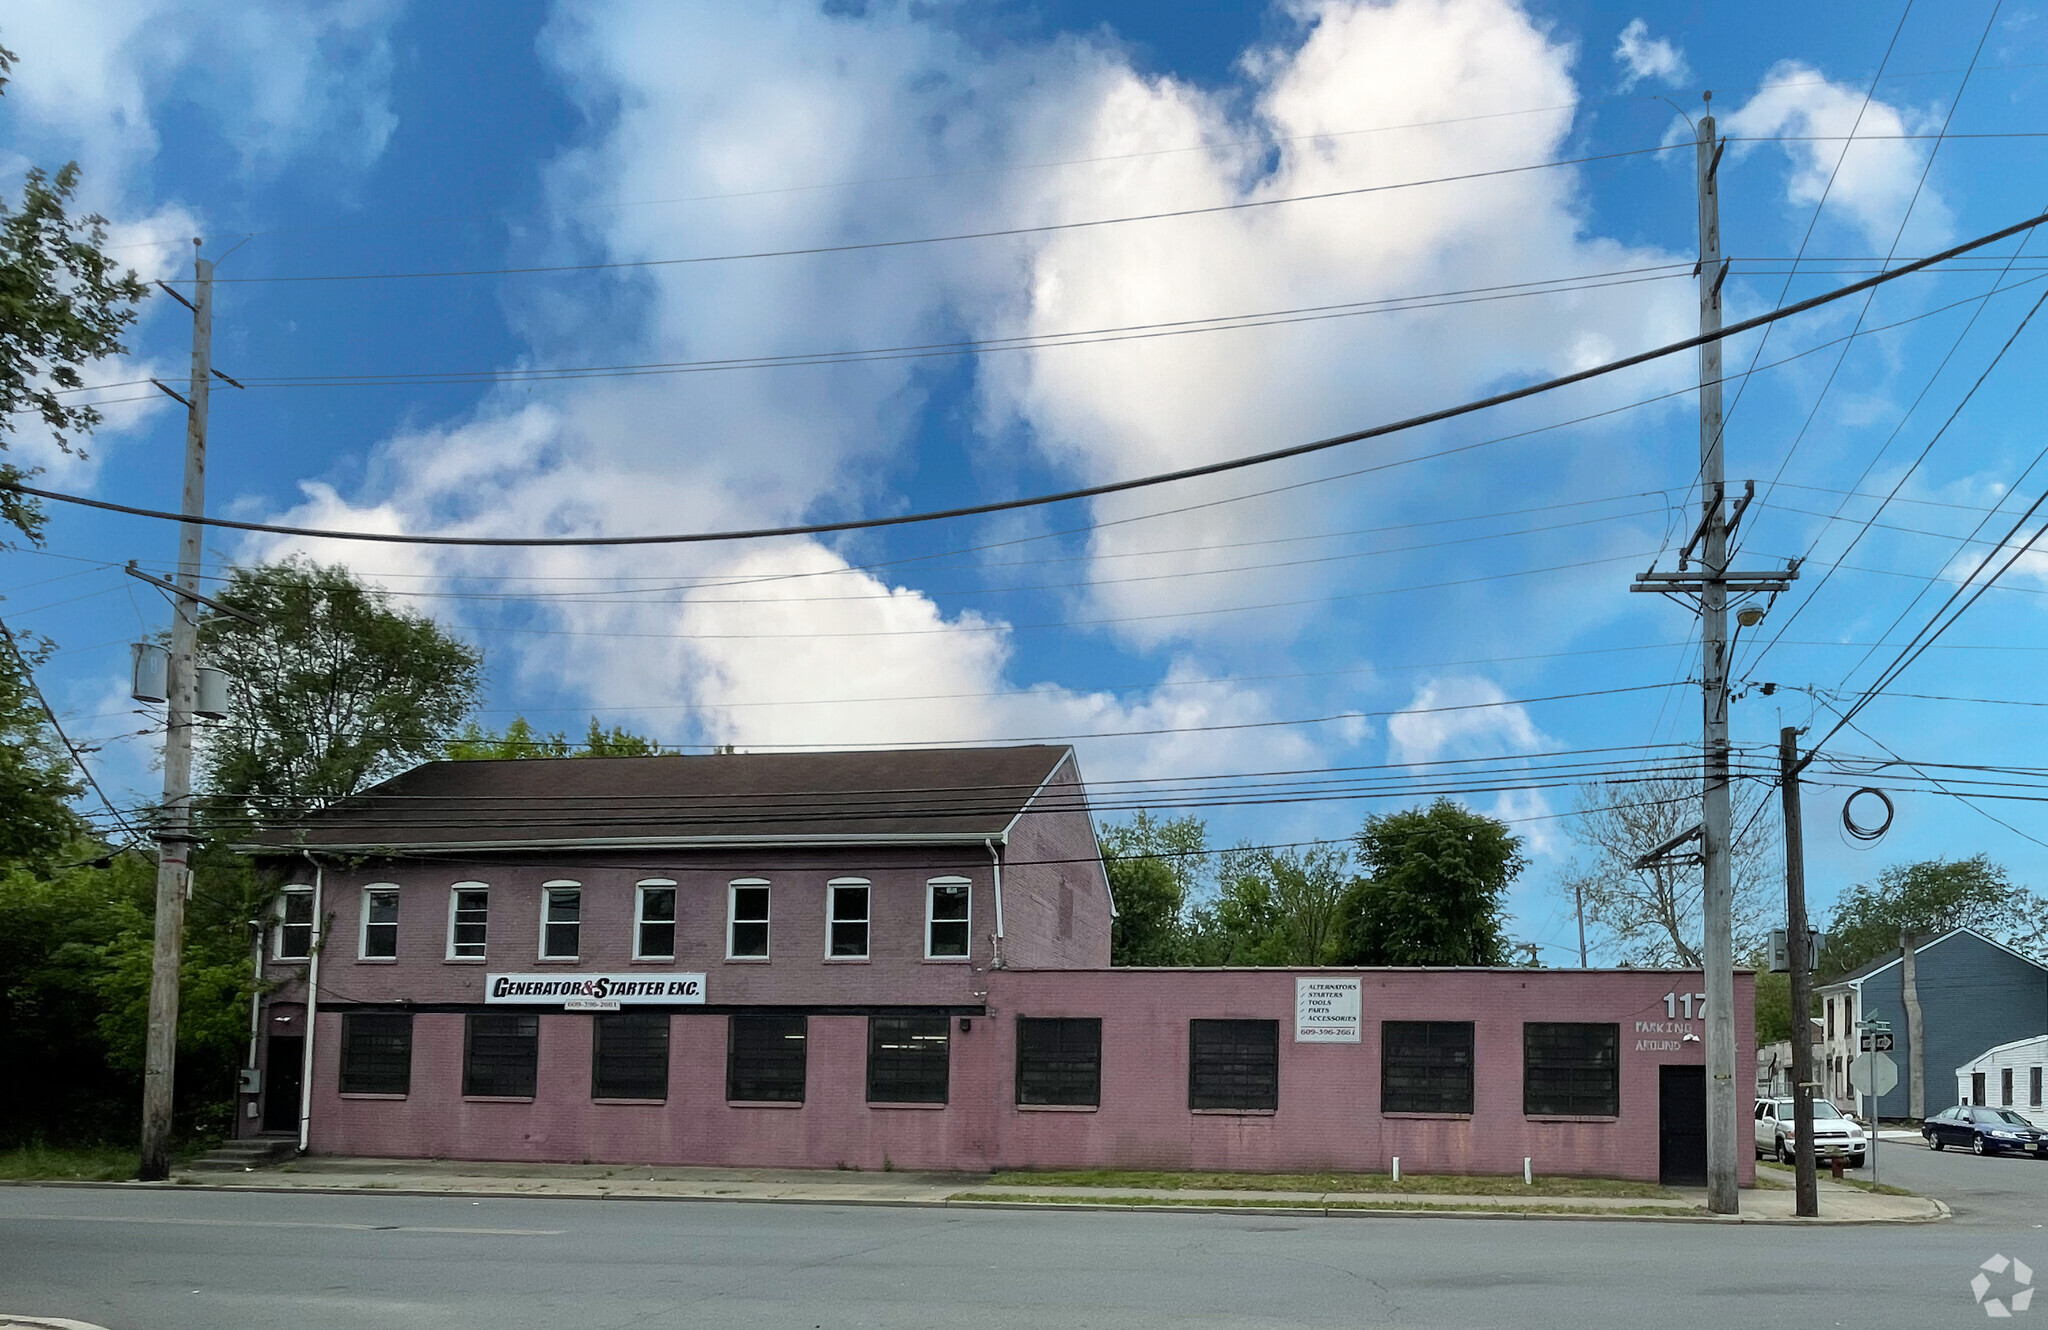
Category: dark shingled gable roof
[930,794]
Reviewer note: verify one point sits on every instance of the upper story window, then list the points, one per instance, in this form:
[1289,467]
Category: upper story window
[1831,1018]
[294,940]
[469,917]
[746,929]
[379,940]
[846,915]
[561,920]
[945,918]
[654,920]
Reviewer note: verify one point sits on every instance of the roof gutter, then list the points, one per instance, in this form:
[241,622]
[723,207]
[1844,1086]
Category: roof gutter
[904,838]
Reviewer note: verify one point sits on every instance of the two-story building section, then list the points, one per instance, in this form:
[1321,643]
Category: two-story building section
[504,952]
[867,959]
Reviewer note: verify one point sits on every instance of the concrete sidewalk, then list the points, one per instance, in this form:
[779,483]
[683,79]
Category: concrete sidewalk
[423,1177]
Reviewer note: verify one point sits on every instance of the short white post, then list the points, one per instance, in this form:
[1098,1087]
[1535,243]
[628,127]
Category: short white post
[1397,1168]
[1528,1172]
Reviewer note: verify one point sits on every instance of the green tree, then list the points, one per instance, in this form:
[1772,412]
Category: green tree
[1275,907]
[63,305]
[1154,866]
[1773,1004]
[53,924]
[1434,889]
[216,983]
[520,739]
[331,689]
[1928,899]
[37,783]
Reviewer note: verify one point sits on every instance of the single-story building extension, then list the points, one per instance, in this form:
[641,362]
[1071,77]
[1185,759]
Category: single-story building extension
[887,959]
[2008,1076]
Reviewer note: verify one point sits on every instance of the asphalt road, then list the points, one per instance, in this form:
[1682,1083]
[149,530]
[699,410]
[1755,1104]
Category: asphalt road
[1996,1191]
[184,1260]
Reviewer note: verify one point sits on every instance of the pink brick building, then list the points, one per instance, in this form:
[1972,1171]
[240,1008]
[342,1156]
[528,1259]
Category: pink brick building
[888,959]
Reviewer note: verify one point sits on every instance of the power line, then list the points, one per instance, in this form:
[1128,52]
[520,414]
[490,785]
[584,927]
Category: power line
[1111,487]
[56,725]
[1898,236]
[1936,438]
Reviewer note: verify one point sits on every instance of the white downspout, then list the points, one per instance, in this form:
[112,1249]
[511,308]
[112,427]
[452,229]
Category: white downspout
[255,1017]
[996,862]
[312,1007]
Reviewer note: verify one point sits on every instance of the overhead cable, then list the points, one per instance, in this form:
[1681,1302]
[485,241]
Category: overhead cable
[1090,491]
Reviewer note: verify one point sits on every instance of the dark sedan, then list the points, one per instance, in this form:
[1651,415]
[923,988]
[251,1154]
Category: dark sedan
[1985,1131]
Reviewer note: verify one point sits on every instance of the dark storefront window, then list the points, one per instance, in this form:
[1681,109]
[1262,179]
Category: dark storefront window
[1059,1060]
[765,1060]
[376,1053]
[1426,1067]
[629,1055]
[907,1059]
[1571,1069]
[1233,1064]
[501,1054]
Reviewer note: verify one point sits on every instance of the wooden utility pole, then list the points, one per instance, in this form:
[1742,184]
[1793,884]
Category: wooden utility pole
[174,824]
[1807,1201]
[1712,586]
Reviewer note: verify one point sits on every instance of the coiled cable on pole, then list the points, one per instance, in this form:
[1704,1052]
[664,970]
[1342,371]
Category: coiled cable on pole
[1860,831]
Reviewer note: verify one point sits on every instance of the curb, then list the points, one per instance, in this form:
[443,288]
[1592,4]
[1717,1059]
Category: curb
[11,1321]
[1941,1214]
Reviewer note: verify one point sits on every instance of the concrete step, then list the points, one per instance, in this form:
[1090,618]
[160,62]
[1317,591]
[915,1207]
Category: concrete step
[237,1156]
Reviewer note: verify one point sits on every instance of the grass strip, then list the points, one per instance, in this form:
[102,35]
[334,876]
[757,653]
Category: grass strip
[1263,1203]
[1435,1184]
[68,1163]
[1881,1188]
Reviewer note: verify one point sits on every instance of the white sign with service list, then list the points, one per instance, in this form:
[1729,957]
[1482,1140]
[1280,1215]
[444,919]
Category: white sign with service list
[1326,1011]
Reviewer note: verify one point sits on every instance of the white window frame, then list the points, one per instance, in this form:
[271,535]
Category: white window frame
[931,899]
[867,920]
[541,944]
[767,921]
[277,952]
[674,922]
[363,924]
[454,893]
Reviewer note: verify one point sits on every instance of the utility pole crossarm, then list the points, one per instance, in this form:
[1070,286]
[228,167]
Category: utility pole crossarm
[207,601]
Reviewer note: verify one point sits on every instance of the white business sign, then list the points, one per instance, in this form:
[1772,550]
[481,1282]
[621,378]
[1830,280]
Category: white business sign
[1326,1011]
[592,992]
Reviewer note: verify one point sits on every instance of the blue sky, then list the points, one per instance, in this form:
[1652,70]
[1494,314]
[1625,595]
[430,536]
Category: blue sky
[1188,632]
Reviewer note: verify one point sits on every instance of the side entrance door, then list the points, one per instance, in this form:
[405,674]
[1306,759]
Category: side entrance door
[1682,1126]
[282,1077]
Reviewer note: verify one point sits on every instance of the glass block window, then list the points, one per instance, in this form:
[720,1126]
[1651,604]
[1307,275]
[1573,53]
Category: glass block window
[1234,1064]
[1059,1060]
[1571,1069]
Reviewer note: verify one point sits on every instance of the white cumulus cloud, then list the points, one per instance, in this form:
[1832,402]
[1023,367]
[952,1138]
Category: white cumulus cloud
[1642,56]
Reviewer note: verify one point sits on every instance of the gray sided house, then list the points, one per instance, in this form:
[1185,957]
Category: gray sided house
[1974,993]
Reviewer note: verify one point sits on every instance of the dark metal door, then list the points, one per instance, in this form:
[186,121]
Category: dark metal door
[1682,1126]
[281,1082]
[1976,1087]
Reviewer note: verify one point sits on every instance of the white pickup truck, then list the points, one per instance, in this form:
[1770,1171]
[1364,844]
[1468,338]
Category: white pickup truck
[1834,1135]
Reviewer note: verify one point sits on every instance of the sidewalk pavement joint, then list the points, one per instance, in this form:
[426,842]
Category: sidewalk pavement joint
[479,1181]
